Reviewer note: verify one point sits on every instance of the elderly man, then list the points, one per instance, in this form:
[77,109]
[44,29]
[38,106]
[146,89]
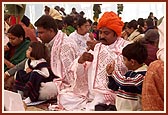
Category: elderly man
[90,84]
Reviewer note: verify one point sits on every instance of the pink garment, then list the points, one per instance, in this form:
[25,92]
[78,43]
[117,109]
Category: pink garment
[63,53]
[90,80]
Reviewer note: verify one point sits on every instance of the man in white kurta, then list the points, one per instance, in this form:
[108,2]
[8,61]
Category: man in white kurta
[65,51]
[89,70]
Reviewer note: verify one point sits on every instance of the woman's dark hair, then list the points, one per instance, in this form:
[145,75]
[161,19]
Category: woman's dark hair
[47,22]
[68,20]
[134,24]
[17,30]
[39,50]
[136,51]
[141,22]
[26,21]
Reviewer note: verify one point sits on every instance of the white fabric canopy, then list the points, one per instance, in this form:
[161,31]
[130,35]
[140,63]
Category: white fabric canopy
[131,10]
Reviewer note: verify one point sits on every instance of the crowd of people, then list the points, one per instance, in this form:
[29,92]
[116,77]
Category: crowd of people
[109,65]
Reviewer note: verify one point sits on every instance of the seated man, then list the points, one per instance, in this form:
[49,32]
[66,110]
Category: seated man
[90,80]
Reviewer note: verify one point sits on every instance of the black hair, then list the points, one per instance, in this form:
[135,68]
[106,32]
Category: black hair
[17,30]
[68,20]
[90,21]
[73,8]
[134,24]
[95,23]
[81,21]
[141,22]
[47,22]
[136,51]
[39,50]
[125,24]
[26,20]
[6,16]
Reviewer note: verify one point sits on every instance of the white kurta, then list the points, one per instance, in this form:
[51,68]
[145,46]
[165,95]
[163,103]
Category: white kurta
[81,41]
[90,86]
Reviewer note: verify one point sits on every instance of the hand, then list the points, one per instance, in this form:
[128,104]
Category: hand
[91,35]
[110,68]
[28,70]
[85,57]
[91,44]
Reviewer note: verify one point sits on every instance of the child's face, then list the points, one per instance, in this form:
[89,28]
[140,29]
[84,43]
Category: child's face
[28,52]
[127,63]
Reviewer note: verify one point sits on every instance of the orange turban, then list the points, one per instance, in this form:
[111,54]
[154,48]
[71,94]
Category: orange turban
[111,21]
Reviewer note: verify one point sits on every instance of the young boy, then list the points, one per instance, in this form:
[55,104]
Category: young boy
[129,86]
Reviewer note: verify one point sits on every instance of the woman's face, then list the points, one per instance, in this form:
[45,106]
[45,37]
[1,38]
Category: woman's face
[14,40]
[129,30]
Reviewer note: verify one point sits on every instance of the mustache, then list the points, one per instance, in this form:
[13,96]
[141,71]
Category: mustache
[103,39]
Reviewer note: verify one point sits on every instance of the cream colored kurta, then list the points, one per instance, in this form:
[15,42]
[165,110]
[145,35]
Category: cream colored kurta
[135,36]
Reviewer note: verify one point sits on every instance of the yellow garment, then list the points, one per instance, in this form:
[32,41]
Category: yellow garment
[55,14]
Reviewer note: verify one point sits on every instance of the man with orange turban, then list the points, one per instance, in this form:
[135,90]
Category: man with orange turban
[90,86]
[111,21]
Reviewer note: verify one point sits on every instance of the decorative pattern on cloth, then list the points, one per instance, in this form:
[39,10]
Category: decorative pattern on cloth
[75,97]
[90,86]
[55,54]
[63,53]
[153,87]
[81,41]
[97,76]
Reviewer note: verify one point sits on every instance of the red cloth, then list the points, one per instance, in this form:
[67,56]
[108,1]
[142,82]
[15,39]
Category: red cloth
[14,20]
[111,21]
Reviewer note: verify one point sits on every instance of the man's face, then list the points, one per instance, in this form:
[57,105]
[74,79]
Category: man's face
[107,36]
[44,34]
